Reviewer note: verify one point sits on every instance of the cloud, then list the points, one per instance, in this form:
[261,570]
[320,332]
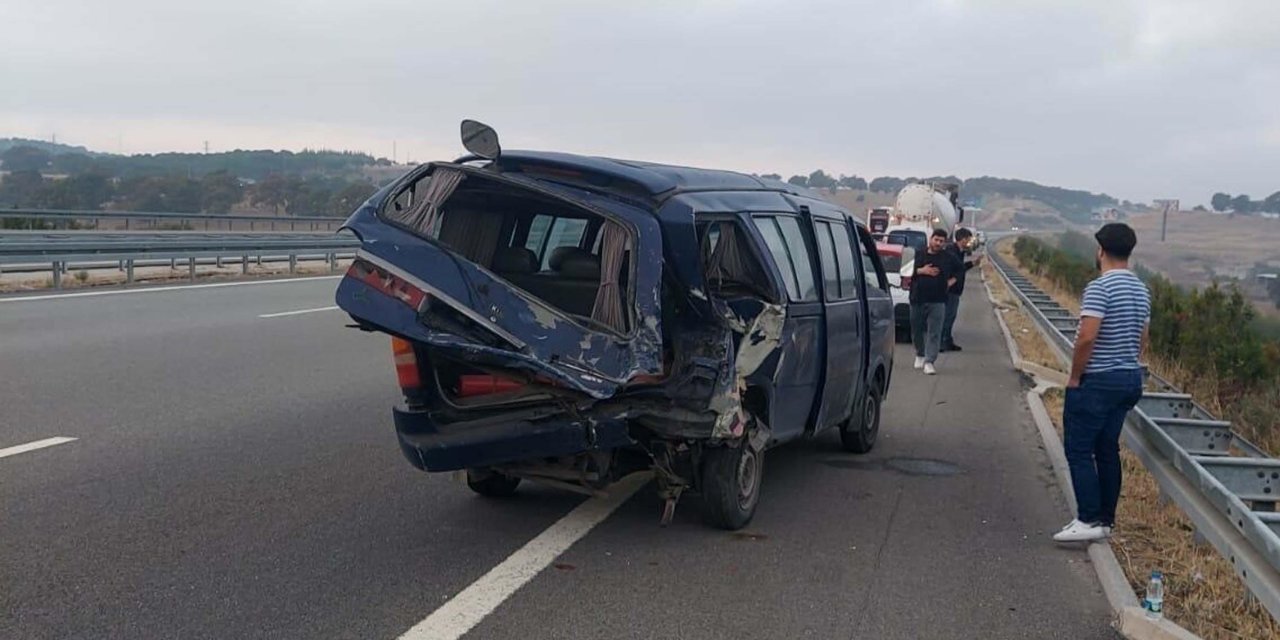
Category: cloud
[1140,98]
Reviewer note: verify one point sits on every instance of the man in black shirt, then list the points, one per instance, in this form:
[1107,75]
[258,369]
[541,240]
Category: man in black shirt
[935,272]
[958,249]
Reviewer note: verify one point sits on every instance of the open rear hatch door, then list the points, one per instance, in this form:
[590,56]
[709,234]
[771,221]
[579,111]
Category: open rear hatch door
[454,297]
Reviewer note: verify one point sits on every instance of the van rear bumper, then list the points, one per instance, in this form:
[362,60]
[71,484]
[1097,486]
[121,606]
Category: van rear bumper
[433,447]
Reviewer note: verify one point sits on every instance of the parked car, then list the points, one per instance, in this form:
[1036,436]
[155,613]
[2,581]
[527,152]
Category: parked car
[914,238]
[568,320]
[899,265]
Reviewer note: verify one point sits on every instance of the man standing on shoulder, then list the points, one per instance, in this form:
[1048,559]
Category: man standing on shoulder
[958,249]
[935,272]
[1106,381]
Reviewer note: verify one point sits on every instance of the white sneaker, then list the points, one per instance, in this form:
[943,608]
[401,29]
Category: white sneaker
[1077,531]
[919,362]
[929,370]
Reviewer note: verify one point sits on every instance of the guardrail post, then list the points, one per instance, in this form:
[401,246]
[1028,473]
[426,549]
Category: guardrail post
[333,262]
[191,268]
[244,264]
[128,271]
[293,263]
[126,224]
[57,276]
[259,259]
[218,262]
[122,265]
[173,263]
[251,223]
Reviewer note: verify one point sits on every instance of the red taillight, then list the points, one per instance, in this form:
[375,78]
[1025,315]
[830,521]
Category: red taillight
[387,283]
[406,364]
[483,385]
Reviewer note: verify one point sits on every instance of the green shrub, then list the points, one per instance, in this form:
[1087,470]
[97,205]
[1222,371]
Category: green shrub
[1212,330]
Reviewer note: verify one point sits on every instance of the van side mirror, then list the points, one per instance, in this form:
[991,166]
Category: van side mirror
[480,139]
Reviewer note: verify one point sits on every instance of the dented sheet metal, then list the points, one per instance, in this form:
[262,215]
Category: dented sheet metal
[540,337]
[761,336]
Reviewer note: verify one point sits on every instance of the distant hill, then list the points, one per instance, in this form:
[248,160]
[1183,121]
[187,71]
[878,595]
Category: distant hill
[52,148]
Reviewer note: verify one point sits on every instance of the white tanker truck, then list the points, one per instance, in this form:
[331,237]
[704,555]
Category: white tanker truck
[920,208]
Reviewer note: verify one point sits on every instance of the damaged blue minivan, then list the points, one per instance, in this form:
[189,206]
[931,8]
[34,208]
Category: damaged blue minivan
[569,320]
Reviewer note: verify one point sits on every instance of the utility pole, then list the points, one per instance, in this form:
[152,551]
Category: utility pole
[1165,207]
[206,147]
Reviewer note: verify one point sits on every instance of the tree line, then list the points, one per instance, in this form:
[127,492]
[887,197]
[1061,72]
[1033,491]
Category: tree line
[1222,202]
[319,184]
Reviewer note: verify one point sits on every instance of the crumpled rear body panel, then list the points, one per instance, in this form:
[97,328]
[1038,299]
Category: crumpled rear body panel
[538,336]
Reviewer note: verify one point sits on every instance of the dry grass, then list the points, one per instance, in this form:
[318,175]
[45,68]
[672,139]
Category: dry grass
[1031,344]
[1059,295]
[1202,594]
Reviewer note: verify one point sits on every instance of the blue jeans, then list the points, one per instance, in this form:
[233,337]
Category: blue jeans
[949,321]
[1092,419]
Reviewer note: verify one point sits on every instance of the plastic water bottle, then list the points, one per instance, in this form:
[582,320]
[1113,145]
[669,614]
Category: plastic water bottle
[1154,604]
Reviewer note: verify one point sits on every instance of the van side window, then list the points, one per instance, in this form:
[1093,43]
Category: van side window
[801,261]
[547,233]
[844,254]
[871,260]
[827,257]
[778,249]
[730,267]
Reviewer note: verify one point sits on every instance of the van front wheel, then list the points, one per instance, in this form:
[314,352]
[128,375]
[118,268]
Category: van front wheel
[858,433]
[491,484]
[731,485]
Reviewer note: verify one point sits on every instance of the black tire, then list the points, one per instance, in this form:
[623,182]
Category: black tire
[491,484]
[858,433]
[731,485]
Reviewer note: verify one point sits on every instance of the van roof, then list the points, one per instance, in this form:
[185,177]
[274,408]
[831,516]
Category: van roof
[657,181]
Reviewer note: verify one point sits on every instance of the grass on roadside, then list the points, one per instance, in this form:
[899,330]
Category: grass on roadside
[1202,593]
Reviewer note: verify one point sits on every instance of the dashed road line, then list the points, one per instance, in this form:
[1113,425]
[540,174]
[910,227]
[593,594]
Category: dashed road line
[32,446]
[296,313]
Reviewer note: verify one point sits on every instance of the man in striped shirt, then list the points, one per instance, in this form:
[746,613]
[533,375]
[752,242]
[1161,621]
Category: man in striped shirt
[1105,383]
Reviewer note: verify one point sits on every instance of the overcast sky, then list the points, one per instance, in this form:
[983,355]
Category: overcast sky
[1139,98]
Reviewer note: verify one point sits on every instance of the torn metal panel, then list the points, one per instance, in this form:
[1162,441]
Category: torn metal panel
[759,341]
[590,358]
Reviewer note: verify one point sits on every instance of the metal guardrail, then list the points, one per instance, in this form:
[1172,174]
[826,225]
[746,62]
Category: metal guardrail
[208,220]
[1226,485]
[60,251]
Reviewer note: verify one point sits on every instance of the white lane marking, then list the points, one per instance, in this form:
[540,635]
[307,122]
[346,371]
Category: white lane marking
[478,600]
[118,292]
[32,446]
[295,313]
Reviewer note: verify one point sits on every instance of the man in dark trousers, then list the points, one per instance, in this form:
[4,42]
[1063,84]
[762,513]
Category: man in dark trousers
[959,249]
[935,272]
[1105,383]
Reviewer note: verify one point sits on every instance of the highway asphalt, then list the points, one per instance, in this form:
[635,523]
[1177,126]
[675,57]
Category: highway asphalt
[237,476]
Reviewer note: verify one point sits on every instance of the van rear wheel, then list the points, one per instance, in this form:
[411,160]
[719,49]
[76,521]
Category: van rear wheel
[858,433]
[731,485]
[491,484]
